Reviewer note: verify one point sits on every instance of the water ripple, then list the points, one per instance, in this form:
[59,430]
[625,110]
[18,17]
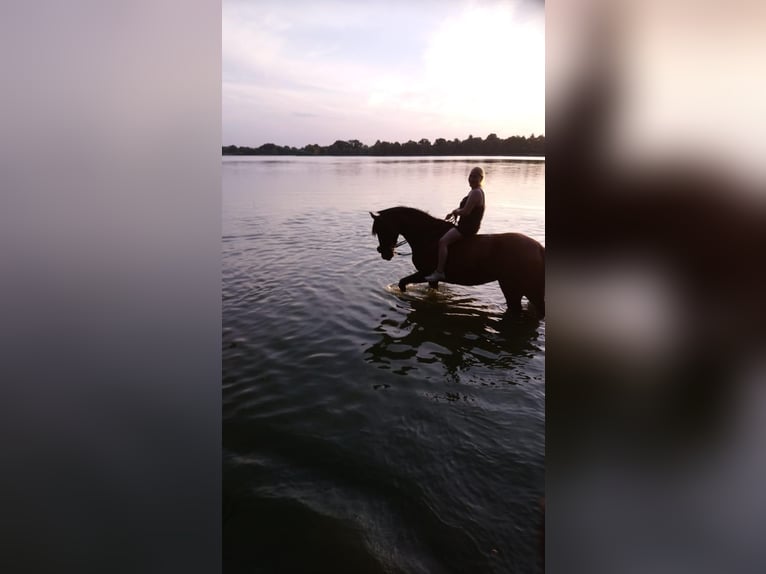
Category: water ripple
[364,428]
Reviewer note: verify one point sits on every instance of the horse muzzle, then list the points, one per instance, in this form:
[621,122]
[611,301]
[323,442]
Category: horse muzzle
[386,254]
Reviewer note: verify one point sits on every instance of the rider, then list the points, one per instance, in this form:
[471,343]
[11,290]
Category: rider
[471,211]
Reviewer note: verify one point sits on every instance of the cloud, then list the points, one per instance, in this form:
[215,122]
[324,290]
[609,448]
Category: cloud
[397,69]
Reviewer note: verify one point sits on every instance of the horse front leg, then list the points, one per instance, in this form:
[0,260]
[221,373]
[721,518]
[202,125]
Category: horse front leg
[417,277]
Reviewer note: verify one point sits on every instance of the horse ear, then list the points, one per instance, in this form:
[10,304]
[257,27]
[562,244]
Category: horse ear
[373,215]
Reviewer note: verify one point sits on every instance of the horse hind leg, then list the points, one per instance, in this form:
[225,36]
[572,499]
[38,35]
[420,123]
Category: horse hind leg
[536,296]
[539,303]
[512,298]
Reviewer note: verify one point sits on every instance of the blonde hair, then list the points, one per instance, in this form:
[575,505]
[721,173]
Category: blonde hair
[479,171]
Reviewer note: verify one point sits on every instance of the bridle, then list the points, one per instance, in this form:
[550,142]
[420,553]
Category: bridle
[394,246]
[399,244]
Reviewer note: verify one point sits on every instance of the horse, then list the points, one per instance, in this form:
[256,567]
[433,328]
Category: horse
[515,261]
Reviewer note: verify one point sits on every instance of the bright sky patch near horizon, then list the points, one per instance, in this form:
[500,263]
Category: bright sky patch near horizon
[302,72]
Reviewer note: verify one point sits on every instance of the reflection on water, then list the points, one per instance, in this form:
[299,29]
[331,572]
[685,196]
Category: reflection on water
[454,332]
[334,461]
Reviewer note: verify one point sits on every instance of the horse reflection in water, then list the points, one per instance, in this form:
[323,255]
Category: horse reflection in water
[515,261]
[473,337]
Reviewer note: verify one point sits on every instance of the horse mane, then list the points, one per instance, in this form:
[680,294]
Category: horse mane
[422,218]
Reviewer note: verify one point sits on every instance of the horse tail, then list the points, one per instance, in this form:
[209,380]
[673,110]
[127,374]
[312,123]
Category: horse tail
[538,299]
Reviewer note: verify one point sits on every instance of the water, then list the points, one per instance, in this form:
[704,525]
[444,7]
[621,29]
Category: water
[367,430]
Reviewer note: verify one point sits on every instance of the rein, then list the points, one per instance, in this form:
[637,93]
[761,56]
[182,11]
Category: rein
[399,244]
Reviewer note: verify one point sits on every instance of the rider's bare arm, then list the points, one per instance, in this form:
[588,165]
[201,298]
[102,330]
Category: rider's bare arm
[474,199]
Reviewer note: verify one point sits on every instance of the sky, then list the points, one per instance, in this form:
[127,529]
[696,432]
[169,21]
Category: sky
[313,72]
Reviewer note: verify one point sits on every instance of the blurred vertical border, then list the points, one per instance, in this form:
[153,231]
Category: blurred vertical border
[656,219]
[110,251]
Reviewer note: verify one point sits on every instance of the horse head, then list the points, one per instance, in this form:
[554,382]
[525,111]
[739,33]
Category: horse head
[387,236]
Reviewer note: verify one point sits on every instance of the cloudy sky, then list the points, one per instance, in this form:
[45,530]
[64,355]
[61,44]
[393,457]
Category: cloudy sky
[304,72]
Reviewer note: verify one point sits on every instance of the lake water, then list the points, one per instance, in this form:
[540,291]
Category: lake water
[366,430]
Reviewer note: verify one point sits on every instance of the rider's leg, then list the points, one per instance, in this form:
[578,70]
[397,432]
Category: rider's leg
[447,239]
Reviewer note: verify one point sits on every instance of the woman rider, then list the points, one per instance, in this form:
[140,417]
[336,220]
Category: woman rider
[471,211]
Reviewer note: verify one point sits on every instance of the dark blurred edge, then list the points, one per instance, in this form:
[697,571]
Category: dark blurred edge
[656,282]
[110,252]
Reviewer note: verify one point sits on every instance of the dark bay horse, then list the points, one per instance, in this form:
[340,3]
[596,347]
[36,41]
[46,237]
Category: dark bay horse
[515,261]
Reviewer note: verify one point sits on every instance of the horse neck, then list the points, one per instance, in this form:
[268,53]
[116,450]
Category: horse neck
[419,228]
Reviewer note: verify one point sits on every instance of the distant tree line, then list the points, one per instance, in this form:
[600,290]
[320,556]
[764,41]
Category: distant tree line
[491,145]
